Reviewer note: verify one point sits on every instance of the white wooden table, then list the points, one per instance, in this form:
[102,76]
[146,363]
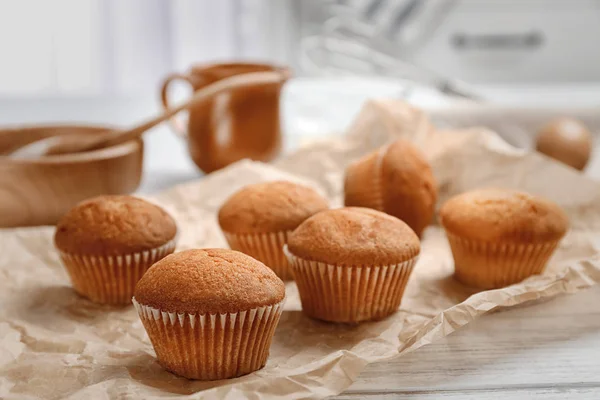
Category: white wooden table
[542,351]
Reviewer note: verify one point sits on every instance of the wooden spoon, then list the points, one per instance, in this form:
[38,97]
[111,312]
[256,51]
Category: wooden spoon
[75,143]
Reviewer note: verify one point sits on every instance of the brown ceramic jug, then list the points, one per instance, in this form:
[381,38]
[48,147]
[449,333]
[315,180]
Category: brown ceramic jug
[242,122]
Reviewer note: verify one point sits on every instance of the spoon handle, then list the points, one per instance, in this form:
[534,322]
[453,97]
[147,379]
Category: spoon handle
[236,81]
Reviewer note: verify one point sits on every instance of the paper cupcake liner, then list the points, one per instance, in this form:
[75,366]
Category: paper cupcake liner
[491,265]
[111,279]
[363,184]
[211,346]
[339,293]
[265,247]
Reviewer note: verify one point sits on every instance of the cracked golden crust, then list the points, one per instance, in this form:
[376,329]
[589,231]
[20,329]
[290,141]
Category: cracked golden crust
[270,207]
[209,281]
[113,225]
[503,215]
[354,236]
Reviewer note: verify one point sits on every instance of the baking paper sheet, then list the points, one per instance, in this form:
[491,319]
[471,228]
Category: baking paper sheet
[55,344]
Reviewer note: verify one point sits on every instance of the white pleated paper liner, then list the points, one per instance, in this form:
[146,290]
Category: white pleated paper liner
[265,247]
[211,346]
[111,279]
[340,293]
[492,265]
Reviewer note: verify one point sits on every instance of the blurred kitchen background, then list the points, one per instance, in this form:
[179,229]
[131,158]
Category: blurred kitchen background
[116,47]
[103,60]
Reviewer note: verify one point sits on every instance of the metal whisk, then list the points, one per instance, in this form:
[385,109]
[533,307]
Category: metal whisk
[371,37]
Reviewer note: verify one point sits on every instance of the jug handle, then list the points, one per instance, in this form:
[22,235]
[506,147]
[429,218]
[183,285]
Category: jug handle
[233,82]
[176,125]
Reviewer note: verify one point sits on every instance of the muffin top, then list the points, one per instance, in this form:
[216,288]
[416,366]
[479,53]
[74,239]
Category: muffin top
[354,236]
[270,207]
[209,281]
[406,172]
[113,225]
[500,214]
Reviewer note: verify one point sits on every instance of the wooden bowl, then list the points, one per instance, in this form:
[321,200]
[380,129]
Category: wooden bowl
[39,191]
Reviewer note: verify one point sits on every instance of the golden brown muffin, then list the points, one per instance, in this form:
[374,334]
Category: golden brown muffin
[566,140]
[395,179]
[500,237]
[258,219]
[108,242]
[352,264]
[211,313]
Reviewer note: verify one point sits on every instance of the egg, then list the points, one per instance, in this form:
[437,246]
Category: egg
[566,140]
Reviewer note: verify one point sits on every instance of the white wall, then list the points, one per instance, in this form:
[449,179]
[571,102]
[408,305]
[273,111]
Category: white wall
[108,47]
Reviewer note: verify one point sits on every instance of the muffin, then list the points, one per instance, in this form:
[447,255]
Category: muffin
[566,140]
[352,264]
[210,314]
[500,237]
[395,179]
[107,243]
[258,219]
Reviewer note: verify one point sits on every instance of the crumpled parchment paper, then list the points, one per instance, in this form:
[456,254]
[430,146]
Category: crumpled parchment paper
[55,344]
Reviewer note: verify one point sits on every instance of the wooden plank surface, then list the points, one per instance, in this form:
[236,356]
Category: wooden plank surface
[542,351]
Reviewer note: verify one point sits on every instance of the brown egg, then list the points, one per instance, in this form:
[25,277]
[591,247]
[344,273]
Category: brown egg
[566,140]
